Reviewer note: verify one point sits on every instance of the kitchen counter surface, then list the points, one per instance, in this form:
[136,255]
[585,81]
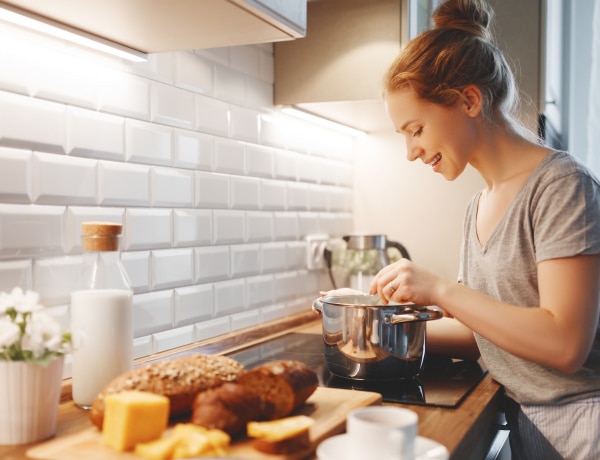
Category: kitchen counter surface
[466,430]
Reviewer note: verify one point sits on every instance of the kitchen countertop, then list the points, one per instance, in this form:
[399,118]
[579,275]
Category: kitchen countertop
[466,430]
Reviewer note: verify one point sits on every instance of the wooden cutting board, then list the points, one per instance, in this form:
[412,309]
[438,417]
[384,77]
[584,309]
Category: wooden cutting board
[327,406]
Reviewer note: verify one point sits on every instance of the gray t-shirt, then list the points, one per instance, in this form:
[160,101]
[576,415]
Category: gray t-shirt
[556,214]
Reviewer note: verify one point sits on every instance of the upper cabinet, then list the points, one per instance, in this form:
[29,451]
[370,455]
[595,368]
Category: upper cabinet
[153,26]
[336,70]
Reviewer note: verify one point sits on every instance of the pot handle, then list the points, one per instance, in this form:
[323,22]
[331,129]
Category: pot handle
[425,314]
[317,305]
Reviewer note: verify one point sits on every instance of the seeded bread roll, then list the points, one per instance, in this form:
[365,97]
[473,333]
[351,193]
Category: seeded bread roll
[282,386]
[228,407]
[179,379]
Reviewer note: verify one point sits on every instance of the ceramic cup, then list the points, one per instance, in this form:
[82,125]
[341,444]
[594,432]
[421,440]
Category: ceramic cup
[382,432]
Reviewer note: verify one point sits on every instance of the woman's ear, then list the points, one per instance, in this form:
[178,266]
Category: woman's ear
[472,100]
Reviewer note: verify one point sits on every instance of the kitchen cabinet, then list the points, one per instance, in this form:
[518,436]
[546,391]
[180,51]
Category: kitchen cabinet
[169,25]
[335,72]
[336,69]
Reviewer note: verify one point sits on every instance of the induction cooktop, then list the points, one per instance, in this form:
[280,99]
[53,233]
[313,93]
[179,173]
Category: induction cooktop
[442,382]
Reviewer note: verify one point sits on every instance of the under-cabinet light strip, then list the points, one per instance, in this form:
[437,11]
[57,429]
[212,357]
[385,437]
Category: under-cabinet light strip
[62,31]
[313,118]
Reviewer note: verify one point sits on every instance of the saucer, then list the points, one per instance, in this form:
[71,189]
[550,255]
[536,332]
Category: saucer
[425,449]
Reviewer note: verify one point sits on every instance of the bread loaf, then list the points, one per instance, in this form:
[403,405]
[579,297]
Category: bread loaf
[179,379]
[228,407]
[282,386]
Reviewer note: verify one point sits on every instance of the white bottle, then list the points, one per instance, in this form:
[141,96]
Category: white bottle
[101,314]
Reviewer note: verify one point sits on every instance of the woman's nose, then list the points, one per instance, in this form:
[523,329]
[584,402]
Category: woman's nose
[413,151]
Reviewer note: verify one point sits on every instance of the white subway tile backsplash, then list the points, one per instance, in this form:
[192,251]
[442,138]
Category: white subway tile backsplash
[147,229]
[192,150]
[285,226]
[15,176]
[148,143]
[178,337]
[228,227]
[211,190]
[244,192]
[229,156]
[259,161]
[193,304]
[172,268]
[229,297]
[55,278]
[259,93]
[285,165]
[213,328]
[274,257]
[137,267]
[230,85]
[31,230]
[94,134]
[215,188]
[245,260]
[123,184]
[152,313]
[171,106]
[245,59]
[192,227]
[194,73]
[211,263]
[58,179]
[212,116]
[171,187]
[273,195]
[297,196]
[259,290]
[245,319]
[16,273]
[259,226]
[125,95]
[308,224]
[296,255]
[32,123]
[243,124]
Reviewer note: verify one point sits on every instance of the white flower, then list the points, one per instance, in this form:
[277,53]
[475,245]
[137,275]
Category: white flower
[27,333]
[9,333]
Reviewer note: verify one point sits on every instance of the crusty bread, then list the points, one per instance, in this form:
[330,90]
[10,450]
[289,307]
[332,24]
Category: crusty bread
[179,379]
[282,386]
[228,407]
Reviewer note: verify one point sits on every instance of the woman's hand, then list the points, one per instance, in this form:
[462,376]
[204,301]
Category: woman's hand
[404,282]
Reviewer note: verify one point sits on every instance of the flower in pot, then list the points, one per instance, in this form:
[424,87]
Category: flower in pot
[32,349]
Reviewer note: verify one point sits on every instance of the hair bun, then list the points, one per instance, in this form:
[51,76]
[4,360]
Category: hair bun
[471,16]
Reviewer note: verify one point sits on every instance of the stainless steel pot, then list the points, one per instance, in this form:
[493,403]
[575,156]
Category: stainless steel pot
[366,340]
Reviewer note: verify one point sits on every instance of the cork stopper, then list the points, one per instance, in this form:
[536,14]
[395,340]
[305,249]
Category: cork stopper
[100,236]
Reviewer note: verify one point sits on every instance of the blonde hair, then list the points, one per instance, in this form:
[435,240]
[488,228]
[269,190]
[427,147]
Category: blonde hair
[457,52]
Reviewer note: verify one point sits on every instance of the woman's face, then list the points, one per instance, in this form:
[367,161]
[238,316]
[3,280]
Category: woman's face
[442,137]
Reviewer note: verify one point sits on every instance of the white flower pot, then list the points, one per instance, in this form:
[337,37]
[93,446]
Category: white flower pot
[29,400]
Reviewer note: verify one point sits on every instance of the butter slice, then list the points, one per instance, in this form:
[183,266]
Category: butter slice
[280,429]
[131,417]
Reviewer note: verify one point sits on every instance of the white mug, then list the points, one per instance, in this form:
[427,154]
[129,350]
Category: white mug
[382,432]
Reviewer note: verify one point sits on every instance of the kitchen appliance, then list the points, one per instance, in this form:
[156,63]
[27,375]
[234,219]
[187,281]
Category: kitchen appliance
[365,340]
[356,260]
[443,382]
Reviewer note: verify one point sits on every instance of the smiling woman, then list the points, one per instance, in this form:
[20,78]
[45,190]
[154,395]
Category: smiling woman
[531,238]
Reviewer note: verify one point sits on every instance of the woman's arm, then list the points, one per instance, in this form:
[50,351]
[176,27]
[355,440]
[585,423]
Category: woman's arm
[558,334]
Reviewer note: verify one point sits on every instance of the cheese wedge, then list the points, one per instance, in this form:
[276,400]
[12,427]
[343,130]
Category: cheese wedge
[132,417]
[283,428]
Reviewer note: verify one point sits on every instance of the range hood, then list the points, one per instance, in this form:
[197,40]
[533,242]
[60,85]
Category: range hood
[152,26]
[335,71]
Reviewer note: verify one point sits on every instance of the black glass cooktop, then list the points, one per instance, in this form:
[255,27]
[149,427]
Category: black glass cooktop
[442,382]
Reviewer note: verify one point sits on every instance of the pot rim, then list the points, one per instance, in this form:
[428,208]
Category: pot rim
[370,301]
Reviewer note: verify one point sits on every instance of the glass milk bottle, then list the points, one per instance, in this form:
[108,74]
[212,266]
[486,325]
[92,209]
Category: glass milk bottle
[101,314]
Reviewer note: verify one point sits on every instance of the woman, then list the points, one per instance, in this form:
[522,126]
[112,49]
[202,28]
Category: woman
[528,290]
